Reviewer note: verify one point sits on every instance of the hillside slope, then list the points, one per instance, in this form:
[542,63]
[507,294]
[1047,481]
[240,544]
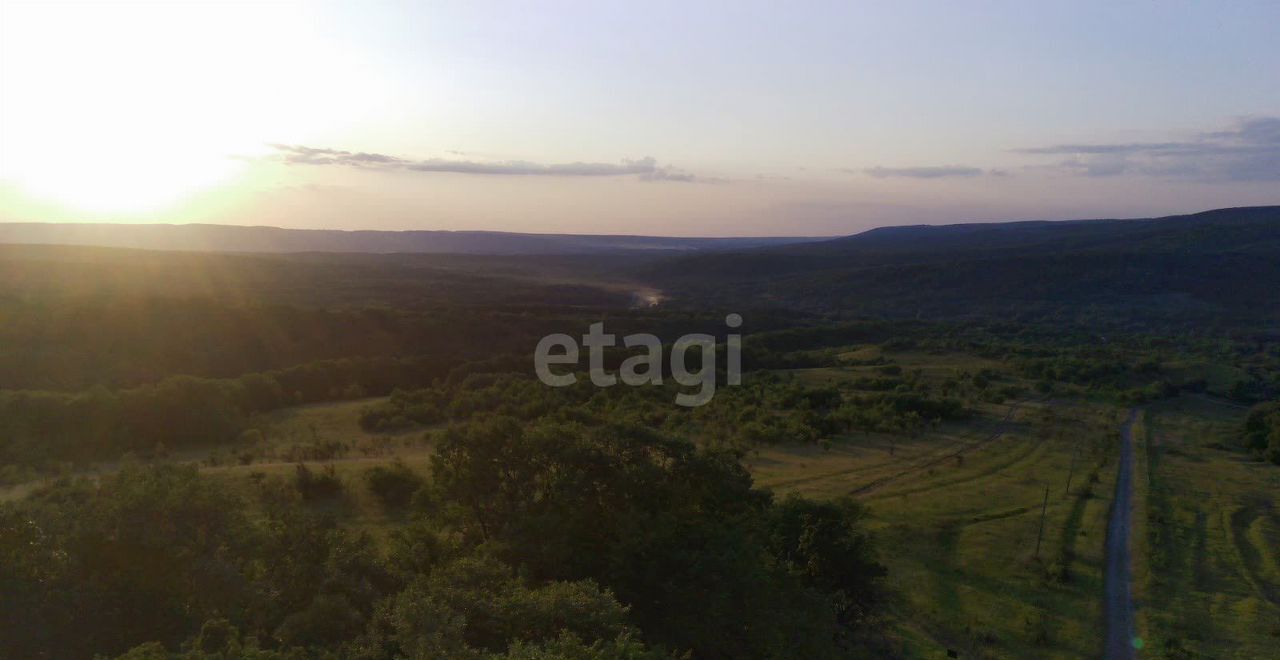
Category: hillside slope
[1222,262]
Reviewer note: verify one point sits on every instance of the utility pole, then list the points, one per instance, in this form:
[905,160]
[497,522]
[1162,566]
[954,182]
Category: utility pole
[1043,508]
[1074,453]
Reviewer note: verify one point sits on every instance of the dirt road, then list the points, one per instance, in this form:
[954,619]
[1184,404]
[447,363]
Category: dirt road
[1119,597]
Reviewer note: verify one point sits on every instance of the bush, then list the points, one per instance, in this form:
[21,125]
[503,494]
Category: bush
[1261,431]
[317,485]
[393,485]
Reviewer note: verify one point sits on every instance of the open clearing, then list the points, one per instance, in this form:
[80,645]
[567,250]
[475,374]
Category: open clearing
[1212,577]
[957,516]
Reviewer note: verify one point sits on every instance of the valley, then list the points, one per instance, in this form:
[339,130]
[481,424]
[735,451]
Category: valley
[943,482]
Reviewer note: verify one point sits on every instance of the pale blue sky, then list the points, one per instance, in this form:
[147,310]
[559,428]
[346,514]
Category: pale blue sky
[759,117]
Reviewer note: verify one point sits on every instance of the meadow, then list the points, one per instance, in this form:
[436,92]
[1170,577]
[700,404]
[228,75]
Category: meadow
[989,552]
[1210,585]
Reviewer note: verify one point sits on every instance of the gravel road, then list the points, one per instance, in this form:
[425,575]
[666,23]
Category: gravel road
[1119,603]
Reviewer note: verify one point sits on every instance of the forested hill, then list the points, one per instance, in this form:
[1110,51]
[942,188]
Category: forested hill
[228,238]
[1218,262]
[1248,229]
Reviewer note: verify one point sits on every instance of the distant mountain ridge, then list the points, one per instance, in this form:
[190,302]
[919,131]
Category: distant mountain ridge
[1254,229]
[1210,264]
[1230,228]
[233,238]
[1196,270]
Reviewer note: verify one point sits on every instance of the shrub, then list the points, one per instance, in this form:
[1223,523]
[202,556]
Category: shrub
[317,485]
[393,485]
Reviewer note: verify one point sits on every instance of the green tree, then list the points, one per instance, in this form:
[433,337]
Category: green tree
[393,485]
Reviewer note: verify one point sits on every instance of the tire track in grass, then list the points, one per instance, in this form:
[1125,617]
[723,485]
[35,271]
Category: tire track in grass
[1203,574]
[796,481]
[999,515]
[1002,427]
[1243,523]
[1029,452]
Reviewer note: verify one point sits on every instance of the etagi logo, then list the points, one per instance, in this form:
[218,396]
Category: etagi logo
[646,368]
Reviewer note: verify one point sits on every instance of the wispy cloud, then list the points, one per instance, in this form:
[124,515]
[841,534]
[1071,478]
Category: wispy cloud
[646,169]
[1249,150]
[934,172]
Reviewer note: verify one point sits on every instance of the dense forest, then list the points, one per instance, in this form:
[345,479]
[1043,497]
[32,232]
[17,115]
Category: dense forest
[558,539]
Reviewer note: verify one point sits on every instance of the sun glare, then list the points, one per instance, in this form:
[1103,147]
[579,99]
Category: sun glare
[135,107]
[138,177]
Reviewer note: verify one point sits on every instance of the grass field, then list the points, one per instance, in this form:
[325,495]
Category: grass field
[303,435]
[957,514]
[1212,578]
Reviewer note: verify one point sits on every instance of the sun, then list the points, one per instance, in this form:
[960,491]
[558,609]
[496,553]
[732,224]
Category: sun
[105,176]
[127,108]
[109,108]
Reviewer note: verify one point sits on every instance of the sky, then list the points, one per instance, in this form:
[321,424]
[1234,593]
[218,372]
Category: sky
[702,118]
